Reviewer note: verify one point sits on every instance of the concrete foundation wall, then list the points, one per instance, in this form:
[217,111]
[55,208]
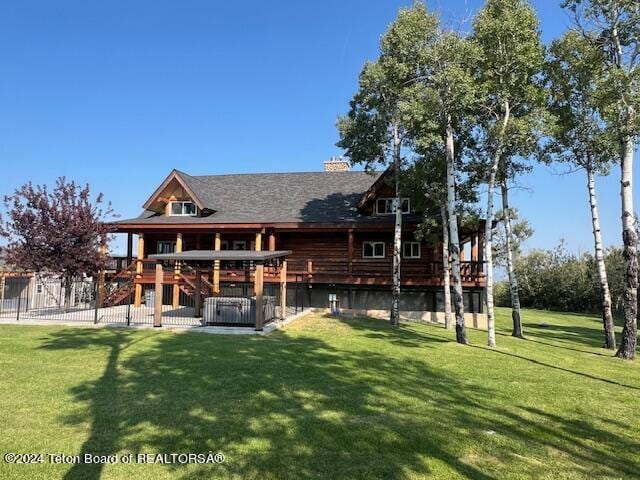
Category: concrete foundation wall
[368,298]
[415,305]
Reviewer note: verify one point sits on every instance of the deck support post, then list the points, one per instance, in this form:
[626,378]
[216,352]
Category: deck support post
[474,255]
[129,249]
[258,246]
[101,279]
[3,283]
[258,284]
[474,248]
[137,302]
[272,242]
[283,289]
[217,245]
[350,250]
[176,275]
[480,252]
[157,306]
[196,296]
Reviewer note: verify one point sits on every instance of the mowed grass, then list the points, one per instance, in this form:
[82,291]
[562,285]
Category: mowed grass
[324,398]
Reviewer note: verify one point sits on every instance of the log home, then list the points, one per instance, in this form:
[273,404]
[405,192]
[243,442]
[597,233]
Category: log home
[337,223]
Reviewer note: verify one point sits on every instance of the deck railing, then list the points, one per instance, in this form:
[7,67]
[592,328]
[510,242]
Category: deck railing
[329,268]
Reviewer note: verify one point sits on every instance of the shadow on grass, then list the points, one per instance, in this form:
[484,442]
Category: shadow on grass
[278,407]
[295,406]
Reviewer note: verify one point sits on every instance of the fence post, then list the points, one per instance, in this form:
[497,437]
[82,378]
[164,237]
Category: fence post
[19,299]
[26,305]
[283,289]
[157,307]
[258,291]
[3,284]
[95,302]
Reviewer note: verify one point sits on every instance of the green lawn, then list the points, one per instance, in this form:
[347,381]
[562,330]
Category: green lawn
[324,398]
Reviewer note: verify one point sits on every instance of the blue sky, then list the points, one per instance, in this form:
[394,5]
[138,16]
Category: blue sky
[117,94]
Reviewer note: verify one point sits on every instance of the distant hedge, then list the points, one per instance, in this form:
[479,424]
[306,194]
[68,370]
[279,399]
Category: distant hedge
[562,281]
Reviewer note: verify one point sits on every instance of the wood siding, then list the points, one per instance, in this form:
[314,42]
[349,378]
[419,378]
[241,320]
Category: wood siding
[326,258]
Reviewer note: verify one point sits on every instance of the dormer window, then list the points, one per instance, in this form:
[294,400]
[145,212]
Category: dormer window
[188,209]
[384,206]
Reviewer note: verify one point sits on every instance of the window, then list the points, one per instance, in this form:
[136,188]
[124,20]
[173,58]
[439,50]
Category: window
[184,208]
[384,206]
[239,244]
[372,249]
[411,249]
[39,288]
[166,246]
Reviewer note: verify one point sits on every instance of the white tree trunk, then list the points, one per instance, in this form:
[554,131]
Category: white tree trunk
[513,280]
[629,237]
[605,295]
[446,268]
[488,254]
[397,235]
[454,244]
[488,229]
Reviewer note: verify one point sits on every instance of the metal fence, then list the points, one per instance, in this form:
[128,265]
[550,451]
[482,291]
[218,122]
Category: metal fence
[49,299]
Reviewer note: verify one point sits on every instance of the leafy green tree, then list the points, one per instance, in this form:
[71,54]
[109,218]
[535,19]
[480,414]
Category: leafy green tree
[559,280]
[426,179]
[511,57]
[375,129]
[448,98]
[579,136]
[615,27]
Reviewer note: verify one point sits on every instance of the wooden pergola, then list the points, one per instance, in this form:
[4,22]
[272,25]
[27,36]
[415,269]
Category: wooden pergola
[199,258]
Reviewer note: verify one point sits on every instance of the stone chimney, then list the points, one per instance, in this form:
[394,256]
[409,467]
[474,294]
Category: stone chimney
[336,164]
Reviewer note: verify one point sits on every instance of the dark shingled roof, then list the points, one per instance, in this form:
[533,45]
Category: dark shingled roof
[274,198]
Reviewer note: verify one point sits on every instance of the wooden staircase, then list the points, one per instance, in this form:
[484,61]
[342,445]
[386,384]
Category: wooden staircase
[188,284]
[116,290]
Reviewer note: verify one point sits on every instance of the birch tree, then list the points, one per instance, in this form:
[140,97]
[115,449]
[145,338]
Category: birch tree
[375,129]
[430,172]
[580,137]
[427,179]
[511,56]
[615,27]
[448,100]
[371,134]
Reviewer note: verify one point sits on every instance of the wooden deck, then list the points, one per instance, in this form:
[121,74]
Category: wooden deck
[331,272]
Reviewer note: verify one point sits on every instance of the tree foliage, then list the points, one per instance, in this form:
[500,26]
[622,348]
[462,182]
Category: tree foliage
[560,280]
[56,232]
[577,132]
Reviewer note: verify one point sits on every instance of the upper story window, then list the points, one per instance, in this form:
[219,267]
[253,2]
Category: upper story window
[384,206]
[183,208]
[166,246]
[411,249]
[372,249]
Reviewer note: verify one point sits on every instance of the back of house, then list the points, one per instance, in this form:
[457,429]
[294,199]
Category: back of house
[337,223]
